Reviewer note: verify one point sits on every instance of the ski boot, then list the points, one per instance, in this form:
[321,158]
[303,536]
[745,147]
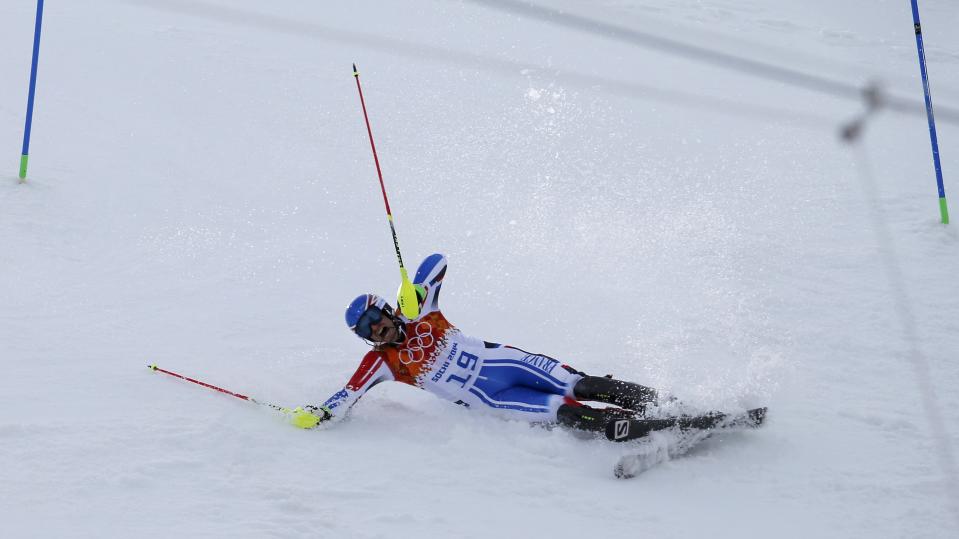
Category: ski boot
[616,392]
[586,418]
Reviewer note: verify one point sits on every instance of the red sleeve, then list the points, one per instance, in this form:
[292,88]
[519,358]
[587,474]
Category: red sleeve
[372,370]
[372,362]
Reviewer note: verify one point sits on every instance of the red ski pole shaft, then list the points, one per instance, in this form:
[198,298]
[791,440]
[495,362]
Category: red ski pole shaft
[376,159]
[220,389]
[407,296]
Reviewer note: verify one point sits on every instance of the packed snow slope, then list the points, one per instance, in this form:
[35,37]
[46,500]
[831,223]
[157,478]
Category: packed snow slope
[202,196]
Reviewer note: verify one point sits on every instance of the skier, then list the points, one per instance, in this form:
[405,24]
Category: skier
[430,353]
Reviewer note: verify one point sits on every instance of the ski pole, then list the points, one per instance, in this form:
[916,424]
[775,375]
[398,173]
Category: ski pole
[409,305]
[301,418]
[24,155]
[943,208]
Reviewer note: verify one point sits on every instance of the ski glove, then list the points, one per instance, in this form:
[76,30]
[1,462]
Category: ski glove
[309,416]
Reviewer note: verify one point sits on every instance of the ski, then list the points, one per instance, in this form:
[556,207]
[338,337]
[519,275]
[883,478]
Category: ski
[689,432]
[624,430]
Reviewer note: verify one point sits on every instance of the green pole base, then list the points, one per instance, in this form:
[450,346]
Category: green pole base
[23,166]
[944,210]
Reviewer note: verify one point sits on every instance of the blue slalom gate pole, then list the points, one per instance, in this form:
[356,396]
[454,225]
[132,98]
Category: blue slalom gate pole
[33,90]
[943,209]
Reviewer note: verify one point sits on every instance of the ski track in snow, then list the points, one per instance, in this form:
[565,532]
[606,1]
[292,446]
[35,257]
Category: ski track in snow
[201,196]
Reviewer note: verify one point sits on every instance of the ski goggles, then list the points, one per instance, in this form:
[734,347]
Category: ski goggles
[364,325]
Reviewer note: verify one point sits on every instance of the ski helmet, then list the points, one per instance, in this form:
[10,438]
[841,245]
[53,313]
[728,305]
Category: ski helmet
[366,310]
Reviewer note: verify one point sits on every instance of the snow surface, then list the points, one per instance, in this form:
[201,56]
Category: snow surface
[201,196]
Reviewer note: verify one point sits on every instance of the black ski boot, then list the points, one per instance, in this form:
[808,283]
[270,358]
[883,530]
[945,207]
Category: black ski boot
[616,392]
[586,418]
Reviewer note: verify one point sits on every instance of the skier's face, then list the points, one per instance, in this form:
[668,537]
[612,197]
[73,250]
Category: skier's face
[384,331]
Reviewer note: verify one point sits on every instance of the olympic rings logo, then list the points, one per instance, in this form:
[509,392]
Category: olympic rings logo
[416,347]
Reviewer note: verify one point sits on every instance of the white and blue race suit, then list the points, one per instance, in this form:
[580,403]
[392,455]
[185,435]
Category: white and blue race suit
[436,356]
